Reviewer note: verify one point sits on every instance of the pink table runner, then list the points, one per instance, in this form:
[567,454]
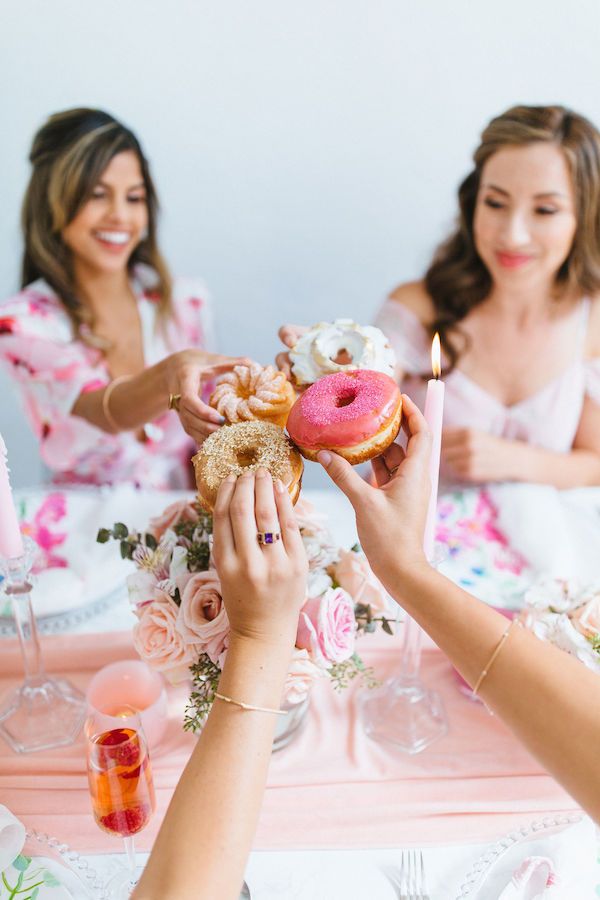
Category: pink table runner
[332,787]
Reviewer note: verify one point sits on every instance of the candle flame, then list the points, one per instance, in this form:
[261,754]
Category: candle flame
[436,365]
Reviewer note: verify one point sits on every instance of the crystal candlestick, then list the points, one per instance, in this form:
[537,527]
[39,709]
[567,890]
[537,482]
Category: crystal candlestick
[42,712]
[403,712]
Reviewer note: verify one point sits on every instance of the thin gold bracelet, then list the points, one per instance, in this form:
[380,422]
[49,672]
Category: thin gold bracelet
[495,655]
[106,400]
[276,712]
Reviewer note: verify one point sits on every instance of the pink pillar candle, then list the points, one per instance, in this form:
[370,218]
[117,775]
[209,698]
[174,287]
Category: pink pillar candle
[434,414]
[131,684]
[11,542]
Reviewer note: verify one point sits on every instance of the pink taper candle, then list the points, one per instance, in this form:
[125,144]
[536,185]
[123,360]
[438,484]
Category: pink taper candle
[434,414]
[11,542]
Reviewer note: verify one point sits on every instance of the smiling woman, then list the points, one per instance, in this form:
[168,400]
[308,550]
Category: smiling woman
[513,293]
[110,354]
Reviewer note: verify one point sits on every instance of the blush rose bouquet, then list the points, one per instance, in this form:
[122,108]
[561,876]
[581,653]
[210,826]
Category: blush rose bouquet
[567,614]
[182,628]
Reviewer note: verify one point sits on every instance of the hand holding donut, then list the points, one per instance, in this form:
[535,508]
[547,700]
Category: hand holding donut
[264,584]
[184,373]
[391,517]
[288,335]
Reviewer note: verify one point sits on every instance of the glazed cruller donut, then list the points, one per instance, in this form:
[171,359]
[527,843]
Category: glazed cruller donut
[247,445]
[340,346]
[356,414]
[253,392]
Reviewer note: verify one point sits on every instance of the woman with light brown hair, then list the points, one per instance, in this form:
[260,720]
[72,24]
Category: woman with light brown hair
[109,353]
[513,293]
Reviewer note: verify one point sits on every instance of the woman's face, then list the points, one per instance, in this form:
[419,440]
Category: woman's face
[111,224]
[525,221]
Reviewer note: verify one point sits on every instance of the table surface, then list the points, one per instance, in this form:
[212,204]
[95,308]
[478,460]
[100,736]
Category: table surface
[311,873]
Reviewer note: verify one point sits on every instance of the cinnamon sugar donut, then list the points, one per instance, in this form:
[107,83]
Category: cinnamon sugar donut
[246,445]
[356,414]
[253,393]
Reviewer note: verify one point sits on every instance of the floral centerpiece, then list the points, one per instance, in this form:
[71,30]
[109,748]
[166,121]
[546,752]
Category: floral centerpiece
[182,627]
[568,615]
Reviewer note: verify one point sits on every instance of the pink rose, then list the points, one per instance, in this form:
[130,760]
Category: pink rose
[300,677]
[355,575]
[202,621]
[586,618]
[327,627]
[180,511]
[159,643]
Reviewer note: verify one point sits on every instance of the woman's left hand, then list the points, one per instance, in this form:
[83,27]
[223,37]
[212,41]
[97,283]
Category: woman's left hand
[475,456]
[263,585]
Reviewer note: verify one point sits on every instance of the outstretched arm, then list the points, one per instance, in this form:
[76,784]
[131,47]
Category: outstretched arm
[134,401]
[203,844]
[531,685]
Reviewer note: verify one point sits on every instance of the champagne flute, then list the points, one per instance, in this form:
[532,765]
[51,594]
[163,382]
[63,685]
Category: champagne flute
[121,787]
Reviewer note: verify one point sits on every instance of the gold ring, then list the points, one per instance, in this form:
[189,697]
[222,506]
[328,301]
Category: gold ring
[174,401]
[268,537]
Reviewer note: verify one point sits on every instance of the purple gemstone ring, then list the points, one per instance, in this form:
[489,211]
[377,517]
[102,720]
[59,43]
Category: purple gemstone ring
[268,537]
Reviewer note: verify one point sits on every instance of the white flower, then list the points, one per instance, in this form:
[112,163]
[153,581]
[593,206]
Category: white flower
[178,566]
[550,594]
[318,582]
[141,587]
[320,555]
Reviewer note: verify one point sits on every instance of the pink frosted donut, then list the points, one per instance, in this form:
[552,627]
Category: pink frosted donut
[356,414]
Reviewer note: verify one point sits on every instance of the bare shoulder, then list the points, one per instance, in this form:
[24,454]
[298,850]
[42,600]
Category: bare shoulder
[413,296]
[593,335]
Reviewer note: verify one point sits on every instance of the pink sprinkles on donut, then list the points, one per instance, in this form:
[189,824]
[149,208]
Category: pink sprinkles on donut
[343,409]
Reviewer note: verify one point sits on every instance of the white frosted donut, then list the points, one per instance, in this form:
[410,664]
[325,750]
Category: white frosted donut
[315,354]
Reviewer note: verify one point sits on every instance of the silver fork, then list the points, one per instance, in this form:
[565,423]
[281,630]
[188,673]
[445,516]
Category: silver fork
[412,876]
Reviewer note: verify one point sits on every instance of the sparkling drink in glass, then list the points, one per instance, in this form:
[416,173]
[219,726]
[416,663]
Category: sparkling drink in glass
[121,787]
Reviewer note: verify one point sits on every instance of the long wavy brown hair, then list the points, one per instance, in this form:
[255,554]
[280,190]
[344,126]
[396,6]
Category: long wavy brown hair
[457,279]
[68,155]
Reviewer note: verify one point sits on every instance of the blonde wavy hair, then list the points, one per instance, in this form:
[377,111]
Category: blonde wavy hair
[69,153]
[457,279]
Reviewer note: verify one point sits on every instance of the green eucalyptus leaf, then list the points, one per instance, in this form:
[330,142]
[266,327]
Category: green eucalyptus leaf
[151,541]
[103,536]
[120,531]
[21,863]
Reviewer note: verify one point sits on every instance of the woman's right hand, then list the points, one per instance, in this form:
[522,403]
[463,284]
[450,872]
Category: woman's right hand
[185,372]
[263,585]
[390,518]
[288,335]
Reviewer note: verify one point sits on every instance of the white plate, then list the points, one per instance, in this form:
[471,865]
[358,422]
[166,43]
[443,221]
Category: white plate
[494,864]
[74,874]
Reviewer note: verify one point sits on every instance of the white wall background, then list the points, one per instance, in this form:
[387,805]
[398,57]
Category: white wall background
[306,154]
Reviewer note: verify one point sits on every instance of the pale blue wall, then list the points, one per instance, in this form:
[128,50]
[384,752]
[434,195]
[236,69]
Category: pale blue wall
[306,154]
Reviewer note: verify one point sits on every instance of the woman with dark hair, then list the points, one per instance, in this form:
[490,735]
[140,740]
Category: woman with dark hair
[513,295]
[99,339]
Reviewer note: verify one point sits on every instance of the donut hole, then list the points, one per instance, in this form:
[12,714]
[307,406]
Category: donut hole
[342,358]
[246,457]
[345,399]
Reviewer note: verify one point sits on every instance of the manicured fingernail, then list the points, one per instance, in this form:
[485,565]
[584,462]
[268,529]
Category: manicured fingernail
[231,478]
[324,457]
[220,420]
[279,486]
[261,472]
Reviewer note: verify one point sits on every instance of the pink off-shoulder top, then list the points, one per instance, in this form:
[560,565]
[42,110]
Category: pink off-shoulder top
[549,418]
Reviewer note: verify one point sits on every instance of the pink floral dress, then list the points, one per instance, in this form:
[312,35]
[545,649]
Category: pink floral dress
[51,369]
